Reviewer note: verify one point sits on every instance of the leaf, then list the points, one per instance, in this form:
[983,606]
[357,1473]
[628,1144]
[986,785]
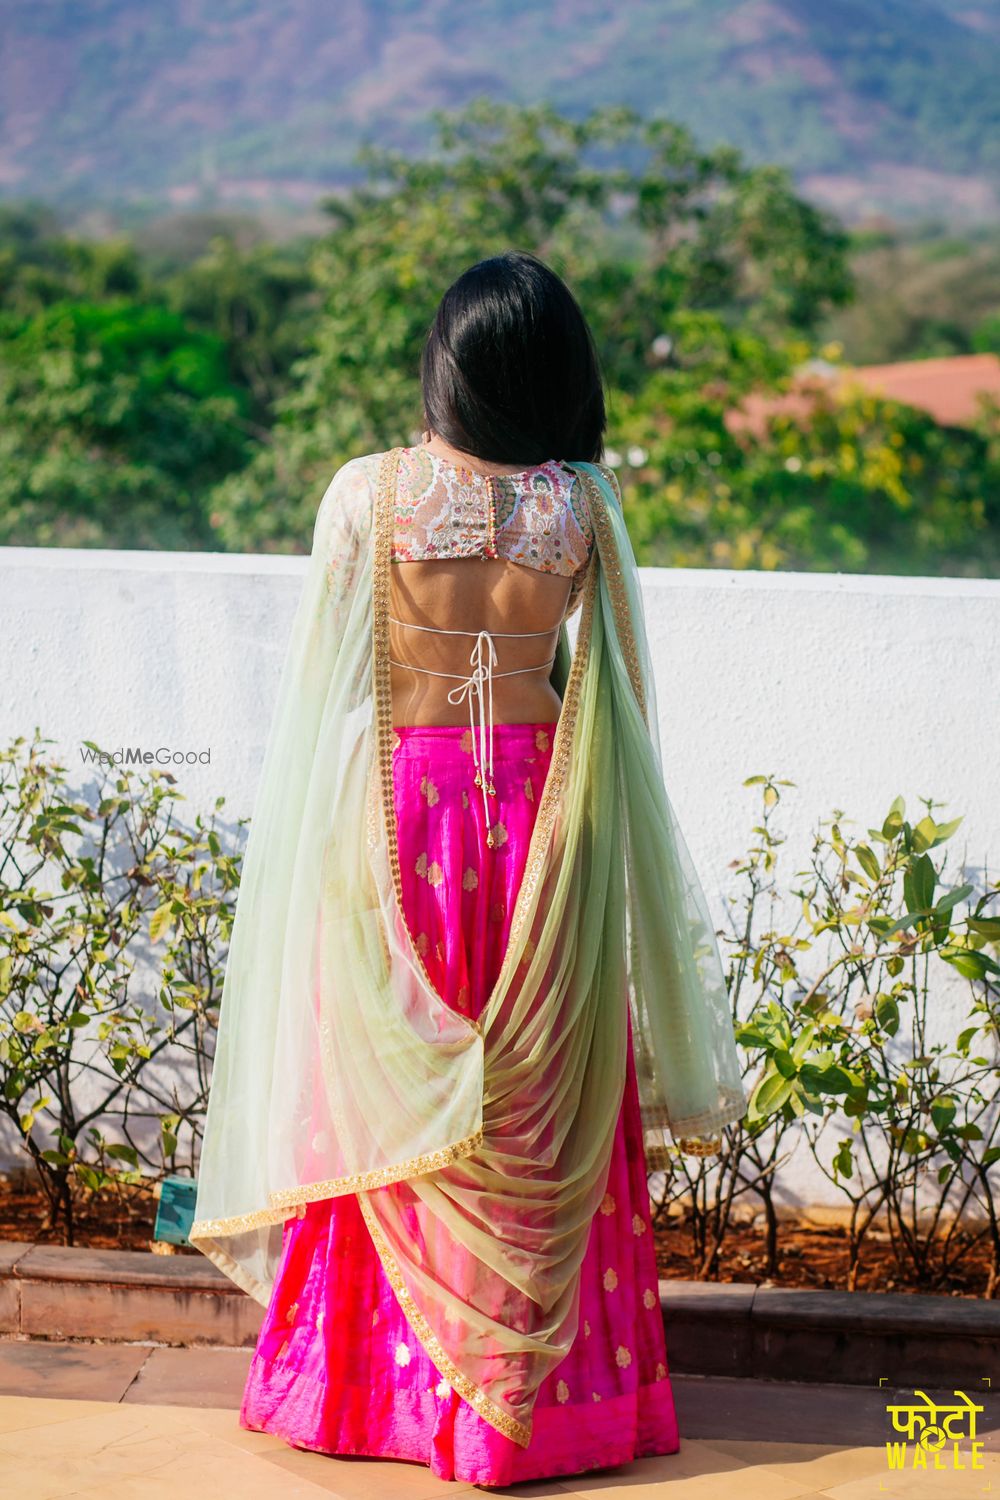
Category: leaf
[965,1039]
[918,884]
[887,1014]
[161,921]
[925,834]
[843,1161]
[868,862]
[951,898]
[969,962]
[124,1153]
[785,1062]
[769,1096]
[835,1080]
[803,1042]
[894,819]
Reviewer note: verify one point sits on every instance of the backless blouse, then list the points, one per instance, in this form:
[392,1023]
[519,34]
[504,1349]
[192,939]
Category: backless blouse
[536,517]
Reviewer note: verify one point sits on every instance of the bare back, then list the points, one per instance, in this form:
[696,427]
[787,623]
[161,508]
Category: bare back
[473,594]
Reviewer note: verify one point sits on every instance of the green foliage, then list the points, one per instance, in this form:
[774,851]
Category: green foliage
[114,417]
[845,1049]
[203,396]
[862,484]
[922,294]
[89,887]
[679,228]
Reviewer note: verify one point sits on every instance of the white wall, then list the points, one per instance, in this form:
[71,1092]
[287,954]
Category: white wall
[856,688]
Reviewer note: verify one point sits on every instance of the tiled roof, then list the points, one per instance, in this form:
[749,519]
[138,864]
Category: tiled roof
[946,388]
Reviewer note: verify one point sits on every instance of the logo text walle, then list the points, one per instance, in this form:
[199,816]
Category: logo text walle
[933,1432]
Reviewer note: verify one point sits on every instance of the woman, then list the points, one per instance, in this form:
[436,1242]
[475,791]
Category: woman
[472,983]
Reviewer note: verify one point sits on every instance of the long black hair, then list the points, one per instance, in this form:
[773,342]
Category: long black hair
[509,368]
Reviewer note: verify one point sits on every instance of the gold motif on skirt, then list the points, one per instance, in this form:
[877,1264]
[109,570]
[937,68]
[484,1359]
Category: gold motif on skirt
[402,1354]
[542,739]
[661,1371]
[465,798]
[622,1356]
[610,1279]
[529,790]
[497,911]
[608,1204]
[562,1391]
[429,790]
[586,1328]
[290,1314]
[465,743]
[420,864]
[422,943]
[470,880]
[649,1297]
[638,1224]
[435,874]
[499,833]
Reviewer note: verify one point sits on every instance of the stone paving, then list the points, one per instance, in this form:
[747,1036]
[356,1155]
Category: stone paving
[140,1422]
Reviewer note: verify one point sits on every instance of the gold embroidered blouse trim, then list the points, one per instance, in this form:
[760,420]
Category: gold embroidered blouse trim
[482,657]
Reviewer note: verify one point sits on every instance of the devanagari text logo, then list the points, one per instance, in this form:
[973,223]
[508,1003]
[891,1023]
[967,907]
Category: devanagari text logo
[933,1432]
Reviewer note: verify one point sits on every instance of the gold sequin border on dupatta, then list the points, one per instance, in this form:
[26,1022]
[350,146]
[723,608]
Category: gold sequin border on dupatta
[612,569]
[519,1432]
[657,1156]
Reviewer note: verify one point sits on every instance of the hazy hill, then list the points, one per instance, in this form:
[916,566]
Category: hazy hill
[873,102]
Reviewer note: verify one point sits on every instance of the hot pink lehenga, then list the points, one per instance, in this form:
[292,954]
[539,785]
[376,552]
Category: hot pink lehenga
[337,1368]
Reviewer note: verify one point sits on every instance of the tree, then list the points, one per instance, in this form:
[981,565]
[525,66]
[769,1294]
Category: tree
[115,418]
[642,223]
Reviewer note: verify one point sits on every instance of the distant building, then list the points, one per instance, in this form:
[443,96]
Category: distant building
[949,389]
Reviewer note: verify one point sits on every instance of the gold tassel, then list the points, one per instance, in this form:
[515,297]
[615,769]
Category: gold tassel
[479,779]
[491,841]
[697,1145]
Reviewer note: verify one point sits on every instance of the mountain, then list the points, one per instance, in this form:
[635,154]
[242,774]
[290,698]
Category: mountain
[873,103]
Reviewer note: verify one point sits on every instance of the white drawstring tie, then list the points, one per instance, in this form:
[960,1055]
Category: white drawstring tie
[472,687]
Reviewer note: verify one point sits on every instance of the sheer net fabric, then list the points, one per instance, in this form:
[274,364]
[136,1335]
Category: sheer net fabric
[339,1067]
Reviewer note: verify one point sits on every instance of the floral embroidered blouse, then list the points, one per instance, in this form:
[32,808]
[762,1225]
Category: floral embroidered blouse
[536,517]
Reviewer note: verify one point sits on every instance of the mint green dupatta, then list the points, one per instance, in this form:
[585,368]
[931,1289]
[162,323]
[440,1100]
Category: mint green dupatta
[479,1150]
